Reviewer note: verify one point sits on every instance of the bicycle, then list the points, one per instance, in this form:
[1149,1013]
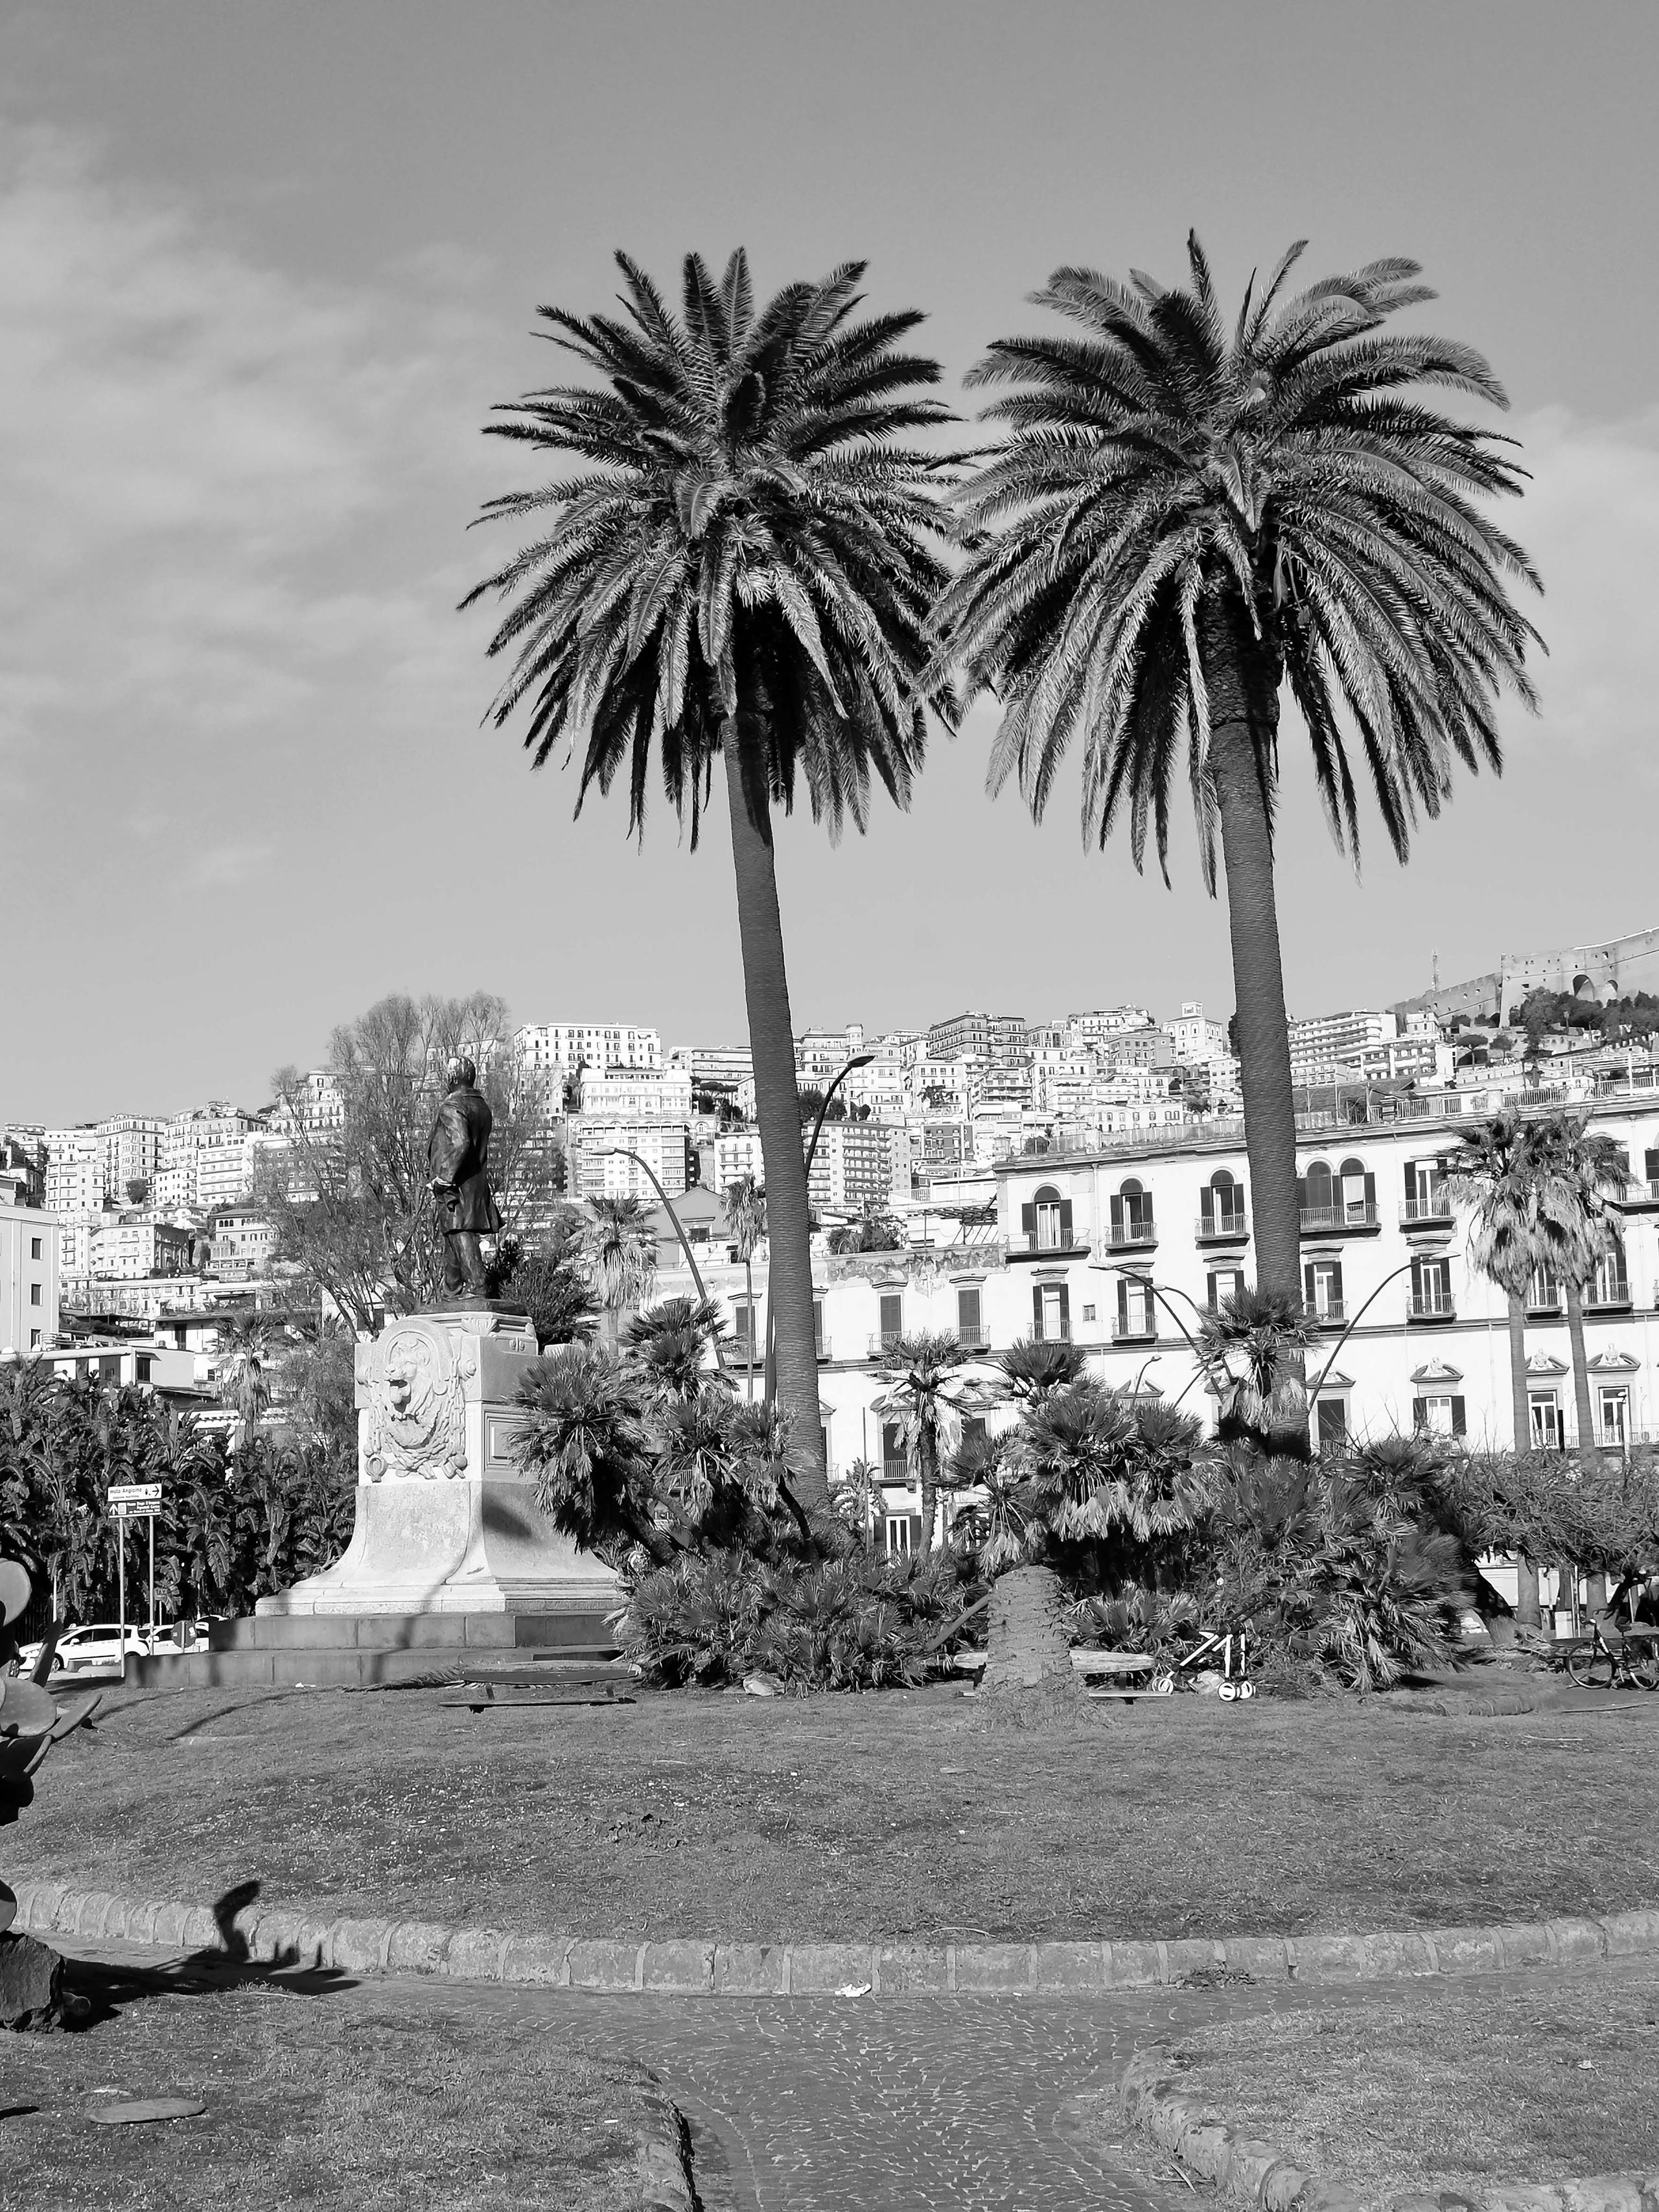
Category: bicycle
[1234,1675]
[1595,1664]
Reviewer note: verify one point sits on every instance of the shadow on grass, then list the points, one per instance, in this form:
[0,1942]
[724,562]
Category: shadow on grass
[105,1987]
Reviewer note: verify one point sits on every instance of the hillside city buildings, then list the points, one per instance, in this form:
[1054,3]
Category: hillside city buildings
[1082,1175]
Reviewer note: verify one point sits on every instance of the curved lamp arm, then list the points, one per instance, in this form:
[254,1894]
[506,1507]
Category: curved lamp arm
[1358,1318]
[621,1152]
[1114,1267]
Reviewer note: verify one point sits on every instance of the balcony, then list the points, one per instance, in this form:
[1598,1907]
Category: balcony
[973,1336]
[895,1473]
[1038,1247]
[1432,1305]
[1060,1334]
[1607,1297]
[1223,1228]
[1426,1213]
[882,1341]
[1136,1235]
[1356,1220]
[1546,1307]
[1640,1197]
[1330,1314]
[1135,1331]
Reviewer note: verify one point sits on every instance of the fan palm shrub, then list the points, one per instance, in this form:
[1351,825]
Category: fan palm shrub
[1186,519]
[745,1217]
[619,1254]
[1490,1172]
[1253,1346]
[1576,1173]
[739,565]
[929,1392]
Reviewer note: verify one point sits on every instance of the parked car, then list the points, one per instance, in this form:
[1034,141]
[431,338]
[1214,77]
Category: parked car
[97,1646]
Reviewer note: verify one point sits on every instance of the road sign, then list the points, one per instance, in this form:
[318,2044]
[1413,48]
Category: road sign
[133,1493]
[137,1509]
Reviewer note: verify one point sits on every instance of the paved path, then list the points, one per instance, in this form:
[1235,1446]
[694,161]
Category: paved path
[859,2105]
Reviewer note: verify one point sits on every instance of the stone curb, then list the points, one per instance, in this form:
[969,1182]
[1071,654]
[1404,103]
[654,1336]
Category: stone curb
[667,2183]
[1250,2171]
[692,1968]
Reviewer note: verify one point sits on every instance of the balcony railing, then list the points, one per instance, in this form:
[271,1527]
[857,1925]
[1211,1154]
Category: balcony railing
[1544,1306]
[1223,1228]
[1125,1236]
[1050,1246]
[896,1472]
[1641,1194]
[973,1335]
[1432,1305]
[1329,1220]
[1599,1297]
[1060,1333]
[882,1341]
[1330,1314]
[1134,1331]
[1425,1213]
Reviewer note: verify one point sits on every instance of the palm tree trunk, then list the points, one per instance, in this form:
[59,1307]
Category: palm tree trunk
[1581,1389]
[1027,1642]
[1528,1609]
[749,1291]
[1519,1405]
[1243,680]
[777,1104]
[927,1465]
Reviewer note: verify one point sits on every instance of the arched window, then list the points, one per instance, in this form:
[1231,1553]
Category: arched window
[1358,1195]
[1221,1203]
[1611,1285]
[1132,1213]
[1046,1220]
[1318,1191]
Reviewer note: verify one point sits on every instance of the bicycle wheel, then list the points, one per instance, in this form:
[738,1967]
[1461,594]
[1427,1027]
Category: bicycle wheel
[1591,1668]
[1642,1660]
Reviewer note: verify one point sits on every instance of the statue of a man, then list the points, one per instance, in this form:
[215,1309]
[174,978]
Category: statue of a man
[457,1161]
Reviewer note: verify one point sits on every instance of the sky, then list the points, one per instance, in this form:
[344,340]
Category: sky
[264,271]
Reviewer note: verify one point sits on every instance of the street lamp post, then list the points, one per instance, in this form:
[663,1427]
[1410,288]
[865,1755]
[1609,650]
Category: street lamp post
[859,1059]
[621,1151]
[1116,1267]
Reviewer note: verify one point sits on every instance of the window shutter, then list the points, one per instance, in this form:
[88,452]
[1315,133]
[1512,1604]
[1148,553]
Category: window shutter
[915,1532]
[1370,1187]
[1066,1221]
[1336,1276]
[1459,1422]
[892,1313]
[1650,1163]
[1301,1193]
[1239,1197]
[967,1308]
[1117,1211]
[1308,1282]
[1207,1206]
[892,1440]
[1411,1181]
[1417,1279]
[1065,1310]
[1419,1413]
[1123,1303]
[1037,1310]
[1028,1221]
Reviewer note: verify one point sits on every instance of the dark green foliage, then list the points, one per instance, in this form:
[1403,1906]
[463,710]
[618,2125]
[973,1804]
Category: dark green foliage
[546,1282]
[874,1234]
[855,1622]
[234,1525]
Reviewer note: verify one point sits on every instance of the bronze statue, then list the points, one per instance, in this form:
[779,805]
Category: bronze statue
[457,1160]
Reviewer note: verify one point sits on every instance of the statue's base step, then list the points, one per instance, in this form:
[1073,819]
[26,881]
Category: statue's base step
[357,1651]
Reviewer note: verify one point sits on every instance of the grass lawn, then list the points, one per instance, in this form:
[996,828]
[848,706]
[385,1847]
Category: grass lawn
[1448,2088]
[309,2104]
[725,1817]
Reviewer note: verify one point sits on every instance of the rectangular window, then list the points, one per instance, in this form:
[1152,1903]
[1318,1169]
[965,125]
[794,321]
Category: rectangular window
[969,1329]
[1431,1296]
[1051,1313]
[1614,1409]
[895,1465]
[34,1339]
[1225,1283]
[34,1248]
[1545,1410]
[1134,1309]
[1321,1281]
[892,1317]
[818,1325]
[35,1294]
[743,1327]
[1331,1414]
[145,1367]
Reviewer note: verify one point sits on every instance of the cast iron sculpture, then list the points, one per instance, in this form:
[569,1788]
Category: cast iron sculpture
[31,1721]
[458,1162]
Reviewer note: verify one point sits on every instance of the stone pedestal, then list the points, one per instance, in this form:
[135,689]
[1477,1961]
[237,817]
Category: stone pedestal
[446,1524]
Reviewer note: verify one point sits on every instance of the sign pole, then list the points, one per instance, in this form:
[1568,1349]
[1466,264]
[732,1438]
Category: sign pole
[121,1586]
[151,1522]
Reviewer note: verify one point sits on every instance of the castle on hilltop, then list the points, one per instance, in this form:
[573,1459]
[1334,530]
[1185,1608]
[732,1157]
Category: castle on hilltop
[1614,969]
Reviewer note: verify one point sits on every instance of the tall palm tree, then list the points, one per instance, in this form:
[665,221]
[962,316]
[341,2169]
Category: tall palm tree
[742,564]
[745,1217]
[619,1252]
[1574,1175]
[1491,1172]
[1182,521]
[926,1397]
[244,1384]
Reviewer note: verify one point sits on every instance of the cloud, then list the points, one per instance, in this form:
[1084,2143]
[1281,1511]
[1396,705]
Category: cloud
[1590,520]
[228,864]
[231,492]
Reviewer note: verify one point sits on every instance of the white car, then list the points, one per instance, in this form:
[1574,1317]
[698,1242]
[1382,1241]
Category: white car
[94,1649]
